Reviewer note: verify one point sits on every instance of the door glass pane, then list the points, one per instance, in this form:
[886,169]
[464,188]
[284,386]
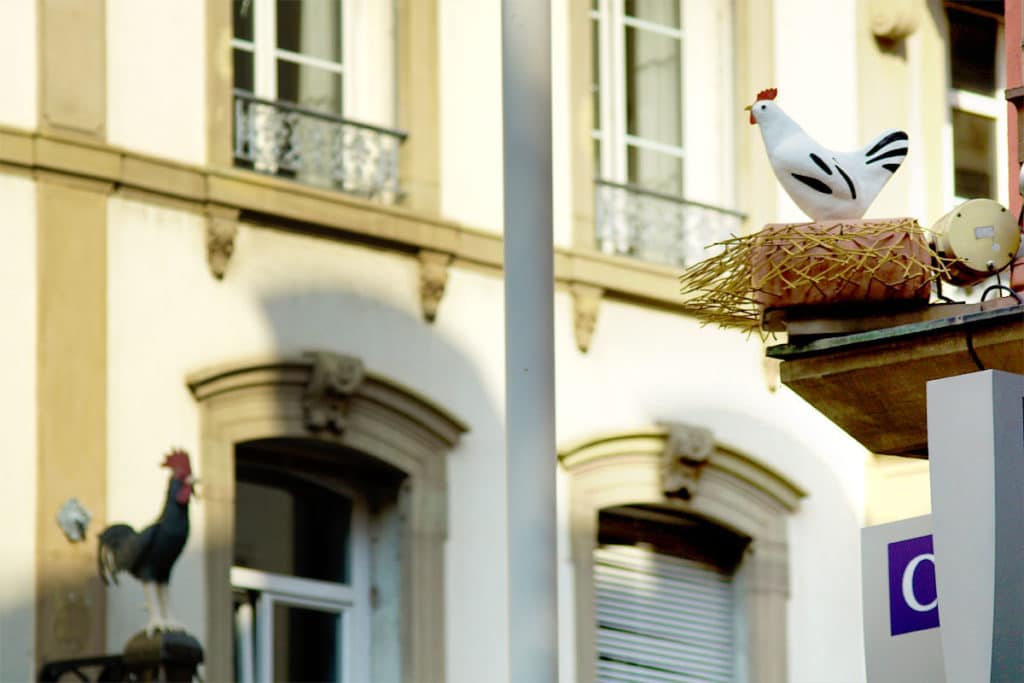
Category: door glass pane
[972,44]
[309,86]
[243,11]
[307,644]
[655,171]
[312,28]
[664,12]
[243,69]
[974,155]
[287,525]
[653,87]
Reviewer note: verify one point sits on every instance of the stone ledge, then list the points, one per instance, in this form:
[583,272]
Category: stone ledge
[332,215]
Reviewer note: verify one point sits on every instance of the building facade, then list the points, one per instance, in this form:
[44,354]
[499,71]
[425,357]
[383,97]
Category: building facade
[271,233]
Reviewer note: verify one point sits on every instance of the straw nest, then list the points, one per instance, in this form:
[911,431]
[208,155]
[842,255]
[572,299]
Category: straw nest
[814,263]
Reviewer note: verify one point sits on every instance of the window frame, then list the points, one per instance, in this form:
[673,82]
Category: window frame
[991,107]
[367,54]
[728,489]
[350,601]
[706,152]
[379,423]
[611,131]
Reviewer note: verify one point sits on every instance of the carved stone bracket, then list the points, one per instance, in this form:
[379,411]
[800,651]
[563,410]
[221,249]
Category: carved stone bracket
[586,299]
[433,278]
[687,451]
[221,230]
[325,401]
[894,19]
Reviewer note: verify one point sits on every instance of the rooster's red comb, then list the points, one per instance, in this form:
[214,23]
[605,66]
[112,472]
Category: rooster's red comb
[178,460]
[768,94]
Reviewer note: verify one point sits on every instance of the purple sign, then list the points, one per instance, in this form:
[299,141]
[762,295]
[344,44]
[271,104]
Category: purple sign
[913,604]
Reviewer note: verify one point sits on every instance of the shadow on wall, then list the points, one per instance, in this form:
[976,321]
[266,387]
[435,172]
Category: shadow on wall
[405,532]
[391,343]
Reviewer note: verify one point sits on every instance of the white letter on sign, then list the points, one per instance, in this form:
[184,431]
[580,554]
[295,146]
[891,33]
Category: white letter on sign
[908,584]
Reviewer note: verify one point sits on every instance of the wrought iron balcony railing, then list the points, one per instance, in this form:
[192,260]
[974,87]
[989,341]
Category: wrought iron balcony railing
[657,227]
[327,151]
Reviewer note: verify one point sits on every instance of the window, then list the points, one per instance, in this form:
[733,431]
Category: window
[367,444]
[665,597]
[301,576]
[330,56]
[314,92]
[977,111]
[662,138]
[638,93]
[668,529]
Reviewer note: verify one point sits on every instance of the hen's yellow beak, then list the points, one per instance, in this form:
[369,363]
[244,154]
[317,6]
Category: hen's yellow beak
[748,107]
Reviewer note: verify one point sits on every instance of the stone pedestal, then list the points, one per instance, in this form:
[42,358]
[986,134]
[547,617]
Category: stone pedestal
[164,656]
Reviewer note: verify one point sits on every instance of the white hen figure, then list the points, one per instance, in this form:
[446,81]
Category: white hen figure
[826,185]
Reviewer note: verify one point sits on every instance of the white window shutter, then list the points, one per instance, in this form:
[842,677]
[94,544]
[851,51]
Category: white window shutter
[661,619]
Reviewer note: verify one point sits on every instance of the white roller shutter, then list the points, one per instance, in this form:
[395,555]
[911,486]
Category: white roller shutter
[661,619]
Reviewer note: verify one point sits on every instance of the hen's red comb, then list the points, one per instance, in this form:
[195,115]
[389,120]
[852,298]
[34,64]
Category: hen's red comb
[768,94]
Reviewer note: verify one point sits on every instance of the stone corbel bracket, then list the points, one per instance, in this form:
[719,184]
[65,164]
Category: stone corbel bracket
[221,230]
[586,299]
[687,451]
[894,19]
[326,399]
[433,278]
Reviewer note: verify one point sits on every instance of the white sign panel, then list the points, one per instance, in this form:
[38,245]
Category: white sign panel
[902,640]
[976,454]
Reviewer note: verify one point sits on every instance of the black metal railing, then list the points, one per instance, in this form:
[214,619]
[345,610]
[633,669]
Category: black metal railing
[106,669]
[172,656]
[315,148]
[658,227]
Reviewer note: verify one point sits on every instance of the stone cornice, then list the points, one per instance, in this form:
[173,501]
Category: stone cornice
[332,215]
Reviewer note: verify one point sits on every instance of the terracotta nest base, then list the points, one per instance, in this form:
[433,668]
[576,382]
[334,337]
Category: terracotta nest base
[840,262]
[788,265]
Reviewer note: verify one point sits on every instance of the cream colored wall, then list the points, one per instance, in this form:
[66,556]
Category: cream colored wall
[18,435]
[471,138]
[285,294]
[902,84]
[815,72]
[897,488]
[644,367]
[19,55]
[156,78]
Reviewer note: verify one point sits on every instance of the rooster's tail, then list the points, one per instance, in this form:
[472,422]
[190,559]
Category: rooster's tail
[113,542]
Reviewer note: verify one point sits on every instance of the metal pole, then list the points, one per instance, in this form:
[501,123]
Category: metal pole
[529,342]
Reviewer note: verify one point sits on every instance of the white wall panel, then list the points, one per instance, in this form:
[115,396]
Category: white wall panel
[18,434]
[156,78]
[471,137]
[816,74]
[19,53]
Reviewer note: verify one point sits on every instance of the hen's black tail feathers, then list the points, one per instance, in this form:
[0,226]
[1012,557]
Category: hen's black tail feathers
[889,150]
[113,543]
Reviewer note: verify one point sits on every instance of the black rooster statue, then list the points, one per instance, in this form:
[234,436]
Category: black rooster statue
[149,555]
